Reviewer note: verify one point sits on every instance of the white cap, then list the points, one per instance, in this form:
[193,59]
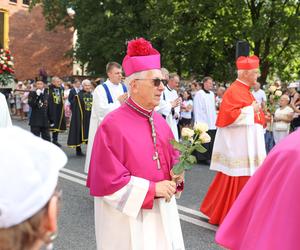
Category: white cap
[293,85]
[29,168]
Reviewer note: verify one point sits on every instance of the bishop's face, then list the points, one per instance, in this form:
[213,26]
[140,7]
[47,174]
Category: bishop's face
[252,76]
[144,91]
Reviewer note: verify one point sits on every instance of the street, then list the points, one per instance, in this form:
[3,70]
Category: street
[76,222]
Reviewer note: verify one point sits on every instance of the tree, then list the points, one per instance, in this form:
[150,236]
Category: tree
[195,37]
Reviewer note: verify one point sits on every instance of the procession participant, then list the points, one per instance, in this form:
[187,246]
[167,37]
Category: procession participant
[239,147]
[74,91]
[106,98]
[56,109]
[266,214]
[28,200]
[40,118]
[81,114]
[5,120]
[205,112]
[130,172]
[169,106]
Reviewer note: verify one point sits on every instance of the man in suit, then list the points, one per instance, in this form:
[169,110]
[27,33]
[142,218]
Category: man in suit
[39,119]
[74,91]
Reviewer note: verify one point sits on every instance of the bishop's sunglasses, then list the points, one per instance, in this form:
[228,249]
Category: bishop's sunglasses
[156,81]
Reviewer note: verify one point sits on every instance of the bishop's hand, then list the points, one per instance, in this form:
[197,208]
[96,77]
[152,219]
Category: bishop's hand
[165,189]
[178,179]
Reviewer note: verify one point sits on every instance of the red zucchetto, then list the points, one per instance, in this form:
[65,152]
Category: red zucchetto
[247,62]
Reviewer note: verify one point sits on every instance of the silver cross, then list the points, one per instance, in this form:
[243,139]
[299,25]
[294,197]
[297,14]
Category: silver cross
[155,158]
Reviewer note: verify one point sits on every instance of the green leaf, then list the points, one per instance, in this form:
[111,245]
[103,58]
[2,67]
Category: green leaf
[192,159]
[199,148]
[178,146]
[178,168]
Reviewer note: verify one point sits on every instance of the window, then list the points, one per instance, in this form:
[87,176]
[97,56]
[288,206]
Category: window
[26,2]
[13,1]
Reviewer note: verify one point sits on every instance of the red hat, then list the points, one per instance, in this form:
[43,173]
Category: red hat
[247,62]
[140,56]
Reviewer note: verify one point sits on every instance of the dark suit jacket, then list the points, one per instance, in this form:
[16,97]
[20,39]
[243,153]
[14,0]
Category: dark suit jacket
[40,116]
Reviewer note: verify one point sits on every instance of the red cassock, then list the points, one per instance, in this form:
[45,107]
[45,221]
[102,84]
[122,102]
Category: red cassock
[225,188]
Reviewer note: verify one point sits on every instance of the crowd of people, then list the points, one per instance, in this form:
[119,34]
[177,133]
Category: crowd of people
[128,125]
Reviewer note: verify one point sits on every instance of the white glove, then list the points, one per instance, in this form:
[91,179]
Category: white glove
[38,92]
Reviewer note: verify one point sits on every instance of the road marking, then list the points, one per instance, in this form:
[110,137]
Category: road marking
[197,222]
[192,211]
[66,170]
[71,178]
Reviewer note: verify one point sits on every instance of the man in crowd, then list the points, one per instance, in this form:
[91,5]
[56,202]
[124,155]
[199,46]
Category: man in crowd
[259,95]
[205,112]
[130,172]
[40,116]
[239,147]
[56,109]
[5,120]
[106,97]
[74,91]
[169,106]
[81,114]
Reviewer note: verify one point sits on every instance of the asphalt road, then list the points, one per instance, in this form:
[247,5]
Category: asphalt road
[76,223]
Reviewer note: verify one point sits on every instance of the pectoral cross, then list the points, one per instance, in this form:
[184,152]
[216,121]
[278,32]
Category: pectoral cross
[156,158]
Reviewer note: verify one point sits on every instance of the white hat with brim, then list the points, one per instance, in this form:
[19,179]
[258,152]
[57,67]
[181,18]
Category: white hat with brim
[29,172]
[293,85]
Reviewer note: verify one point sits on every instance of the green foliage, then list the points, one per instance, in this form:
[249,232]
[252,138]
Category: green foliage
[195,37]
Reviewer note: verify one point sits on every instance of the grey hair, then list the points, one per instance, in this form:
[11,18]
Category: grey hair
[55,78]
[165,73]
[240,72]
[86,81]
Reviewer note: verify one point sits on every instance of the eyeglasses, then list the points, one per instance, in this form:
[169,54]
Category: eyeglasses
[156,81]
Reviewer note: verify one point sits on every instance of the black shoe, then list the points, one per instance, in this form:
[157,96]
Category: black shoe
[57,144]
[80,154]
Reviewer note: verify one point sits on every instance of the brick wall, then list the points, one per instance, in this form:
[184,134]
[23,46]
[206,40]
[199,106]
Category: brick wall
[32,46]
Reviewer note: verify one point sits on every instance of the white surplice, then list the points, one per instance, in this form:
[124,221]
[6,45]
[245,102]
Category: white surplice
[239,148]
[100,109]
[205,108]
[119,216]
[165,108]
[5,120]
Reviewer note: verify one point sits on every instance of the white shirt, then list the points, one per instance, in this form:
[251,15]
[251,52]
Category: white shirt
[5,120]
[205,108]
[165,108]
[100,109]
[260,96]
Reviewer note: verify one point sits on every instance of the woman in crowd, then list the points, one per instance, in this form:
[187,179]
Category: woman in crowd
[186,110]
[282,119]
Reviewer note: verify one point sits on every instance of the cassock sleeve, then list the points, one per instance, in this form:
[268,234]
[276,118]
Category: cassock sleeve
[110,179]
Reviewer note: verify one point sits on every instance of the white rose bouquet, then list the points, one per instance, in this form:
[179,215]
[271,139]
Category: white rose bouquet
[273,93]
[192,140]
